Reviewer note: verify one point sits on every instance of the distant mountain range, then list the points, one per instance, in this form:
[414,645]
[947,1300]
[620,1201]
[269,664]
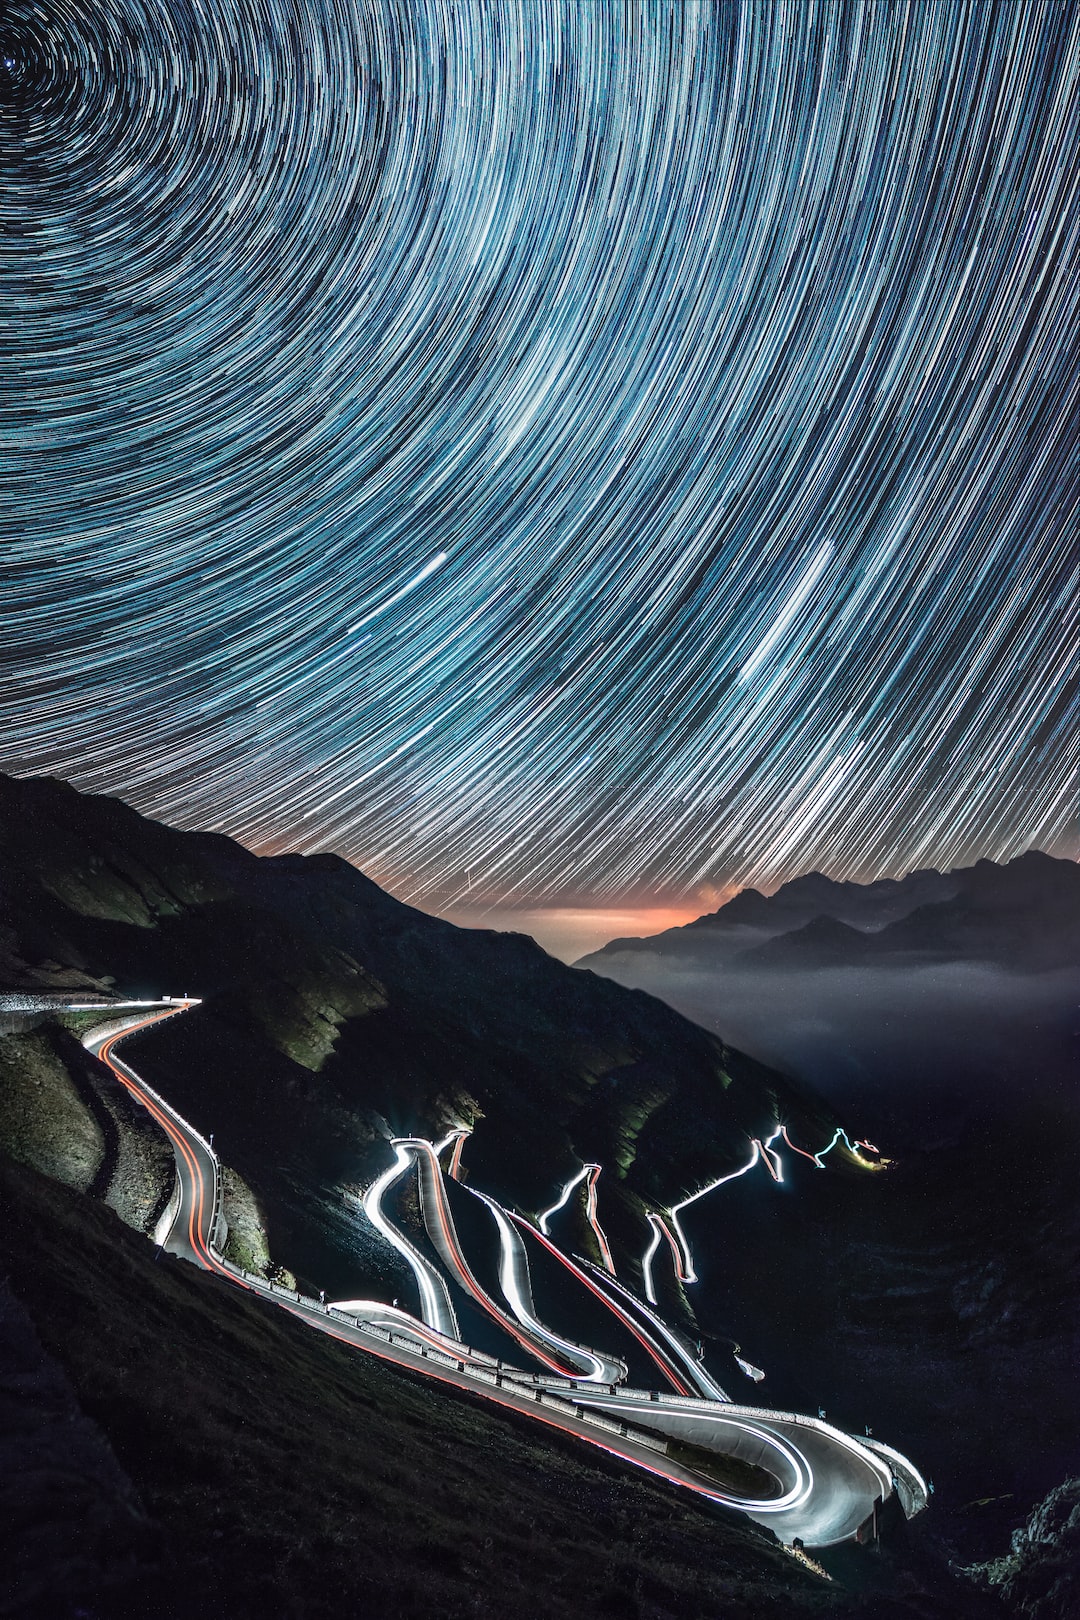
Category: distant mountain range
[1024,915]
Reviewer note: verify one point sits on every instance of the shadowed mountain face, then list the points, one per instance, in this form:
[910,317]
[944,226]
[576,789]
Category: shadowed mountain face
[335,1017]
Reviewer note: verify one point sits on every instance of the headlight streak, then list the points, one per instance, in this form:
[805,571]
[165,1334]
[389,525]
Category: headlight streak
[605,447]
[832,1516]
[590,1174]
[660,1229]
[662,1337]
[794,1464]
[436,1305]
[762,1150]
[749,1369]
[443,1233]
[543,1221]
[514,1282]
[376,1313]
[688,1274]
[647,1257]
[916,1481]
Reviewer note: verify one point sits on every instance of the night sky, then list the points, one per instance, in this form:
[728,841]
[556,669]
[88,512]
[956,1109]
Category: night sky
[556,455]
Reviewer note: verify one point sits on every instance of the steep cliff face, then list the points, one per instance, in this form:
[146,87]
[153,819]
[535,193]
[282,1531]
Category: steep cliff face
[334,1016]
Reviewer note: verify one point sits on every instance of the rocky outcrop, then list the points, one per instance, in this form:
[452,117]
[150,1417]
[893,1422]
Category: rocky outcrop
[62,1113]
[247,1245]
[1039,1577]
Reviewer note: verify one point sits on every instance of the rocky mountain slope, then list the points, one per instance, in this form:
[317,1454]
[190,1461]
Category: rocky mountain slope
[942,1303]
[333,1017]
[175,1448]
[1040,1575]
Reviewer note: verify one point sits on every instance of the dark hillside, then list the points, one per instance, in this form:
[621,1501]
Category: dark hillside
[335,1016]
[176,1449]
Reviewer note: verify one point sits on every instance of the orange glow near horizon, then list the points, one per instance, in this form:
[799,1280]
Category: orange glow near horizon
[570,932]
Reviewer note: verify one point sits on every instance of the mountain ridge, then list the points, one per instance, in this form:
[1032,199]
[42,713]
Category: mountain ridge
[333,1013]
[927,911]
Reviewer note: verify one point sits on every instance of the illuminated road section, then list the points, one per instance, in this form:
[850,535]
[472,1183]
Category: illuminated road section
[436,1306]
[763,1152]
[554,1352]
[826,1486]
[589,1173]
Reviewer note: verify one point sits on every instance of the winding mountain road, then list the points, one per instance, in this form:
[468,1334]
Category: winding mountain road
[828,1485]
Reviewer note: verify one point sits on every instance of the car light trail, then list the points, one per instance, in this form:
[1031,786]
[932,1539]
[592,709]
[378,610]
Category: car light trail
[787,1457]
[689,1275]
[589,1174]
[590,1211]
[544,1219]
[436,1306]
[700,1378]
[663,1360]
[443,1233]
[761,1150]
[822,1508]
[814,1158]
[647,1257]
[769,1156]
[375,1313]
[515,1284]
[455,1157]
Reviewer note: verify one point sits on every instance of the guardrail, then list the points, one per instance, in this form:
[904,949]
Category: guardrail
[507,1379]
[910,1484]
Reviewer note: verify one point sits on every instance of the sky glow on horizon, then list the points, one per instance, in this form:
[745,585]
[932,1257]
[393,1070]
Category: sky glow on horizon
[570,457]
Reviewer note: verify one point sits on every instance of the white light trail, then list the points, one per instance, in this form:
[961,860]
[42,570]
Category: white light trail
[513,1280]
[689,1274]
[543,1221]
[436,1306]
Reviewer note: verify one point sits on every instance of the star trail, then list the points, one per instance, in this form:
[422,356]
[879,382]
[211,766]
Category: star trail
[540,449]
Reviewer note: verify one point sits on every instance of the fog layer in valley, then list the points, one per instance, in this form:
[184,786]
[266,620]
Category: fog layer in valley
[886,1044]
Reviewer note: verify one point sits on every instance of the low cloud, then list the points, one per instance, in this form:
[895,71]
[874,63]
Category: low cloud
[898,1049]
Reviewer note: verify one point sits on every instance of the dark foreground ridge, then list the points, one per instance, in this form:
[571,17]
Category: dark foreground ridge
[181,1449]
